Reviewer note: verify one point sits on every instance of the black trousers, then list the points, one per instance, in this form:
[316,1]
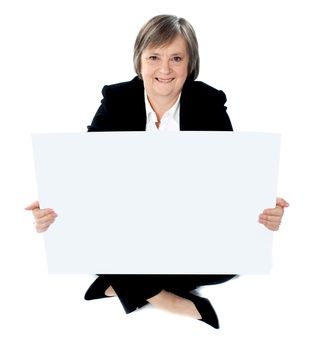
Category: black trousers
[134,290]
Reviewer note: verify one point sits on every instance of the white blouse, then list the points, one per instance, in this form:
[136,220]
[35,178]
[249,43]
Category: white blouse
[169,121]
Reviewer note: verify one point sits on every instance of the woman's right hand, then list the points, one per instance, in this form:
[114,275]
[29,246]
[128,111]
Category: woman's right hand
[43,217]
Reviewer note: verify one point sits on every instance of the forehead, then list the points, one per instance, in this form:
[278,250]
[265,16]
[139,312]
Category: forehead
[177,44]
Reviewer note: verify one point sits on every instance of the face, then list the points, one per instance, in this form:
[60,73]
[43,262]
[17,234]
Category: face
[165,69]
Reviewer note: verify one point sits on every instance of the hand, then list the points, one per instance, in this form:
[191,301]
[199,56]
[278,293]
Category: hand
[271,218]
[43,217]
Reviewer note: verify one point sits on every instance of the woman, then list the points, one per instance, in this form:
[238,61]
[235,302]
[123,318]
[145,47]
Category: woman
[164,96]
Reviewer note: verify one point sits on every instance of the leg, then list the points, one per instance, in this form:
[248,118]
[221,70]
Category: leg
[110,292]
[173,303]
[134,290]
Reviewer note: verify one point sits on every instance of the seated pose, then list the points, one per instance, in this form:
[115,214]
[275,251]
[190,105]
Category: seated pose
[163,96]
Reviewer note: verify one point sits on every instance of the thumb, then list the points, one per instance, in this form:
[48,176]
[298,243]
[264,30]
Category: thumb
[282,203]
[32,206]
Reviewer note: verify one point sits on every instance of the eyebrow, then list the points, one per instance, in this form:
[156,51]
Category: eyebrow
[173,54]
[178,54]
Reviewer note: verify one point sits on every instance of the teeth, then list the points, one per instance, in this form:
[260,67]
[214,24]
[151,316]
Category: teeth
[164,80]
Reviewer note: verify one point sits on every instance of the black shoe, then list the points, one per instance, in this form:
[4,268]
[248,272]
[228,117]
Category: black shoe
[204,307]
[97,288]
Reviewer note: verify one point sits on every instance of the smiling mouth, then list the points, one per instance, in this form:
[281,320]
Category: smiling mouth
[164,81]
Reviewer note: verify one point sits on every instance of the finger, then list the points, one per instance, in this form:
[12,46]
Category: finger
[281,202]
[278,211]
[47,218]
[42,213]
[270,219]
[271,226]
[37,212]
[32,206]
[42,227]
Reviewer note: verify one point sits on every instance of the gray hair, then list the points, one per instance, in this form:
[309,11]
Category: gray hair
[162,30]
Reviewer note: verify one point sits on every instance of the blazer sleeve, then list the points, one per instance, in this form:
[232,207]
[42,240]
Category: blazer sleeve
[224,120]
[122,108]
[203,108]
[102,118]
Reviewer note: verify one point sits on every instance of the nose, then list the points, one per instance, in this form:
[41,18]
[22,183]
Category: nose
[165,67]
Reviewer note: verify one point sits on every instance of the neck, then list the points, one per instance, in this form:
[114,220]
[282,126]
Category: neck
[161,105]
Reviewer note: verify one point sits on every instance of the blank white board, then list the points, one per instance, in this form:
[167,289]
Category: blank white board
[170,202]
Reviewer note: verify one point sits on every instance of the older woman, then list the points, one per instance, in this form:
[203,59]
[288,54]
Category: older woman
[163,96]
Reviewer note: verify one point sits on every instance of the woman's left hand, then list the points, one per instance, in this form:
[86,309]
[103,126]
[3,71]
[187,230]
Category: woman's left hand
[271,218]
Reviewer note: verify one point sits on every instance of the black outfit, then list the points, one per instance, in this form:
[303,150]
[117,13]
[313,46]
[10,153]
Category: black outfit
[123,109]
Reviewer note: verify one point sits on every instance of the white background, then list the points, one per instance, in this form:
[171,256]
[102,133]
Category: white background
[55,58]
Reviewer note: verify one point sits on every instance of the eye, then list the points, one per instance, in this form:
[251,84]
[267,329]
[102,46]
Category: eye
[176,59]
[153,58]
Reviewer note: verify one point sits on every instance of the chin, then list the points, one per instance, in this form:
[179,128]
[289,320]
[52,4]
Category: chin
[165,93]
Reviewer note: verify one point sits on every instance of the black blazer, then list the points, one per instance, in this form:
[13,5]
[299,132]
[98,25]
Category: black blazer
[123,108]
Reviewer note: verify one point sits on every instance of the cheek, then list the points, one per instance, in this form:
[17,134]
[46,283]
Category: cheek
[183,73]
[143,69]
[146,72]
[183,76]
